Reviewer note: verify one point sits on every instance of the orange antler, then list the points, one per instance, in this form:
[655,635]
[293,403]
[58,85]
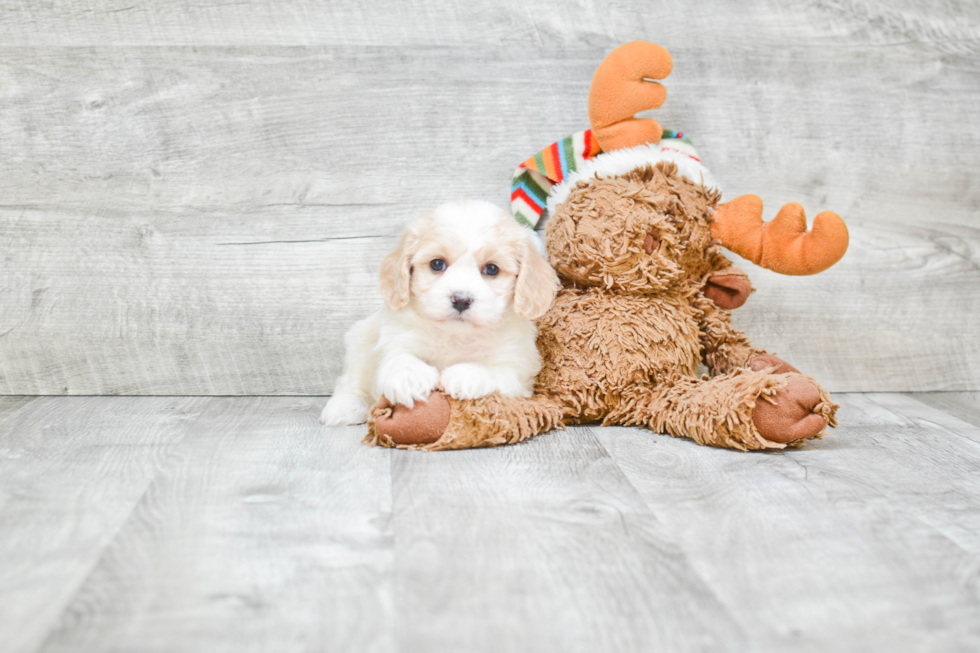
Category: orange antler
[622,86]
[782,245]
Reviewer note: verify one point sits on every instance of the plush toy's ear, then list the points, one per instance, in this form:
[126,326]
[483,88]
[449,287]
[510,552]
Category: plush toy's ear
[622,86]
[396,271]
[536,284]
[728,288]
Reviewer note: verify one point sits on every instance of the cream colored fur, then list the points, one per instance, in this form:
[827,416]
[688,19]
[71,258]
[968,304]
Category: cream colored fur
[420,342]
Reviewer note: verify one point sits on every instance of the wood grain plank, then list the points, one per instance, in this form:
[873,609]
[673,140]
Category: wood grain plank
[70,473]
[266,532]
[116,157]
[240,524]
[963,405]
[542,547]
[867,540]
[915,409]
[173,304]
[212,303]
[11,405]
[545,23]
[131,127]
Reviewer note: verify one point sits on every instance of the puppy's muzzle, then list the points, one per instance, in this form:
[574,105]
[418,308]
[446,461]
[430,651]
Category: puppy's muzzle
[461,302]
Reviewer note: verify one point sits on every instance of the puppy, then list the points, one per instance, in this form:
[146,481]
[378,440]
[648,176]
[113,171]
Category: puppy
[462,288]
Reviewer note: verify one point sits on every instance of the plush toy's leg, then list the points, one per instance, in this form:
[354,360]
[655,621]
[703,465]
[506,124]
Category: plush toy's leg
[725,347]
[745,409]
[446,423]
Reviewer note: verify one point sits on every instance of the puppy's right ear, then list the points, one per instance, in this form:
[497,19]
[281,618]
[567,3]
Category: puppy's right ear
[396,271]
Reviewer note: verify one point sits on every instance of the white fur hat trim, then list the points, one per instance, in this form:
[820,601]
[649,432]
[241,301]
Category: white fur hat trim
[620,162]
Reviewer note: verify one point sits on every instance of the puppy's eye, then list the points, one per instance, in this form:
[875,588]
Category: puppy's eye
[437,265]
[490,270]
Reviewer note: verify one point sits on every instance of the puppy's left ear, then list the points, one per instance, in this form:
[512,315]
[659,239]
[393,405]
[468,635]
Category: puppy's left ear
[536,284]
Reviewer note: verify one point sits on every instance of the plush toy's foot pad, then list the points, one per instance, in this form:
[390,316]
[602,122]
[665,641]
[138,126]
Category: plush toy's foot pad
[795,412]
[766,361]
[401,425]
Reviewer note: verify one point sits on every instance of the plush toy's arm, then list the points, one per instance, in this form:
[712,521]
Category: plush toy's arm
[725,347]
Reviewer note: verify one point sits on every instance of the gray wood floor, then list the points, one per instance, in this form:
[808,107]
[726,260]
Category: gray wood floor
[240,524]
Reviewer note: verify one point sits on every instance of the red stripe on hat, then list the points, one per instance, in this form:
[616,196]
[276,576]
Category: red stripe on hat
[687,154]
[554,156]
[534,204]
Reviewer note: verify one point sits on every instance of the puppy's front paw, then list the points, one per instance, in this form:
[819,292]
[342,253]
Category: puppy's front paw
[468,381]
[405,379]
[343,410]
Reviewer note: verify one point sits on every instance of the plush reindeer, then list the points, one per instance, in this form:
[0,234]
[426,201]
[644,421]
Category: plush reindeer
[635,236]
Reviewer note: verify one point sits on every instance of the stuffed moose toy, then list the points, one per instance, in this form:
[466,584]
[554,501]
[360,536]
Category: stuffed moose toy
[635,236]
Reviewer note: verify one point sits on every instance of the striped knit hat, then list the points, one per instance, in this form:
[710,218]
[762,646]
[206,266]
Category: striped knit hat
[534,178]
[554,165]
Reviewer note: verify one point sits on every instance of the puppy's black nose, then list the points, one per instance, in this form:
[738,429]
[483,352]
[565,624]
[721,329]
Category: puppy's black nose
[461,302]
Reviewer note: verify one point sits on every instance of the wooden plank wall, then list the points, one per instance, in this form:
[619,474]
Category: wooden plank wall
[195,197]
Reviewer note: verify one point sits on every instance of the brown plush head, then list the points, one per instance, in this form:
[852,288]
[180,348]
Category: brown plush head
[644,232]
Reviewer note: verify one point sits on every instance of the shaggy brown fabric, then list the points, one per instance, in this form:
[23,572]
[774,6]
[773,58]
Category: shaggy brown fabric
[725,348]
[595,344]
[496,420]
[596,237]
[485,422]
[716,412]
[720,411]
[624,338]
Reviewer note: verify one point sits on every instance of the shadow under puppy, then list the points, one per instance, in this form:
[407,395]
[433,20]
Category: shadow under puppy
[462,290]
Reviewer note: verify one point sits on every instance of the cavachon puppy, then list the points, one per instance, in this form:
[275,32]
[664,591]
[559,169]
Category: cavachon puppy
[462,289]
